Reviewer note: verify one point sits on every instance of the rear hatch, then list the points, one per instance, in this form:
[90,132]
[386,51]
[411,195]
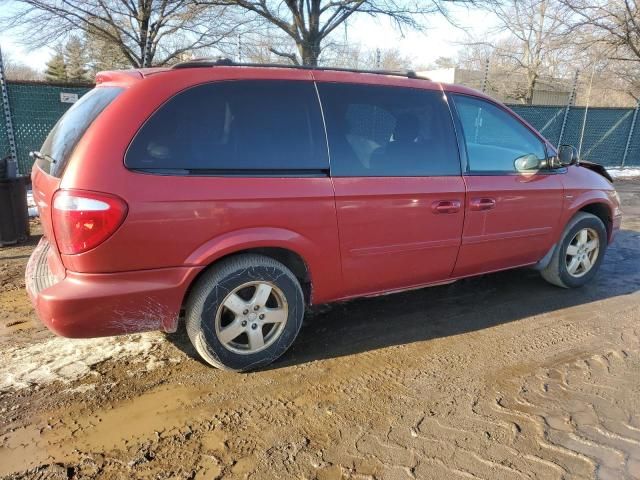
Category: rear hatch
[56,151]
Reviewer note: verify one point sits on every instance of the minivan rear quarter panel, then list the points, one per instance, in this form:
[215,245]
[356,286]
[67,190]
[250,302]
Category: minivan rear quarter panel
[193,220]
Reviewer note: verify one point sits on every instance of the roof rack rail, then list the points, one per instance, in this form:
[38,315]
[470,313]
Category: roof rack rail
[227,62]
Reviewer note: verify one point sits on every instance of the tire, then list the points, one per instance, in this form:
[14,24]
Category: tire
[225,301]
[557,272]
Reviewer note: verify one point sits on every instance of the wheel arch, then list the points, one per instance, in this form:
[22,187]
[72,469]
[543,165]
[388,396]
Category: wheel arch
[281,245]
[596,206]
[602,210]
[596,202]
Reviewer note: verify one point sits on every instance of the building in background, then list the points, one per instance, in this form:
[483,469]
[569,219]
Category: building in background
[504,87]
[508,87]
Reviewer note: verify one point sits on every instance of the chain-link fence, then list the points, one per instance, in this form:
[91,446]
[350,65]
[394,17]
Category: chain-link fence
[603,135]
[35,108]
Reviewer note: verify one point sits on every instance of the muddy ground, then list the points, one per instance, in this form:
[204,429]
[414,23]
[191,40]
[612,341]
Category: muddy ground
[496,377]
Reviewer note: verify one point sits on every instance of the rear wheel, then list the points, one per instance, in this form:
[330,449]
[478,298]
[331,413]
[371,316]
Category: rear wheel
[245,312]
[579,254]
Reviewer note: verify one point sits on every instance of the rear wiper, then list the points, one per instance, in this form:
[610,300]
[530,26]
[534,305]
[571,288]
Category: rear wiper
[42,156]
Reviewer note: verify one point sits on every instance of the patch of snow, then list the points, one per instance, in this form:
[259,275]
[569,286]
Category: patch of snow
[33,208]
[82,388]
[66,359]
[625,172]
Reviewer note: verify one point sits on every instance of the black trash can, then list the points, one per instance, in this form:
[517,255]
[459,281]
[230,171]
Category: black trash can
[14,212]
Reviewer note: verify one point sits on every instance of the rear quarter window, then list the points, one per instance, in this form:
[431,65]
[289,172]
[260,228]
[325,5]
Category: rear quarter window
[68,131]
[234,127]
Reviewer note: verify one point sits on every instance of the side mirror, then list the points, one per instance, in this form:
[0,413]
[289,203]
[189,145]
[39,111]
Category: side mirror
[567,155]
[527,163]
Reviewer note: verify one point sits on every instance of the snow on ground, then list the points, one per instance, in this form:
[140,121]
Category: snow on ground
[627,172]
[33,210]
[67,360]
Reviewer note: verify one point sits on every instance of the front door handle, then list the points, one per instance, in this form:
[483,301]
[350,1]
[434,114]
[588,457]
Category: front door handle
[482,203]
[446,206]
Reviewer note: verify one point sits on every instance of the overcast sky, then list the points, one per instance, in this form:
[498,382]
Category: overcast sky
[422,48]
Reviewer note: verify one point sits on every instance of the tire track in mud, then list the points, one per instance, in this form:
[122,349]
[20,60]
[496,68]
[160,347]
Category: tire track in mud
[514,431]
[396,415]
[582,413]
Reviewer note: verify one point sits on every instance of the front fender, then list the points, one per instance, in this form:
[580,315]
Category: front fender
[581,200]
[595,197]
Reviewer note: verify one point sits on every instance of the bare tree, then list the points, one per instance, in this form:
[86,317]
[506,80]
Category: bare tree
[610,32]
[354,55]
[146,32]
[614,23]
[536,43]
[259,45]
[444,62]
[16,70]
[308,23]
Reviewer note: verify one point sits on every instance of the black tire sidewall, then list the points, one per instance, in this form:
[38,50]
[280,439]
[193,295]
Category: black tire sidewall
[280,277]
[587,222]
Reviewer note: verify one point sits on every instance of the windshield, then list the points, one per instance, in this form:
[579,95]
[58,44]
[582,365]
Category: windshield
[57,148]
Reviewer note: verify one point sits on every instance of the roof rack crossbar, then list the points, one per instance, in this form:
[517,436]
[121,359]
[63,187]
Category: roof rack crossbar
[226,62]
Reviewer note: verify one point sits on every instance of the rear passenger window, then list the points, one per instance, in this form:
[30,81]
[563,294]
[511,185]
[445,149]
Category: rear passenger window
[379,131]
[235,126]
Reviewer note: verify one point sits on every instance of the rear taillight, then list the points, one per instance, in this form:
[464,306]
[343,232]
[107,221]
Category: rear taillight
[83,220]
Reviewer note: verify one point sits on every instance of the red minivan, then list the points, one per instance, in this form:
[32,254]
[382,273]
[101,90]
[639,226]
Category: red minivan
[233,196]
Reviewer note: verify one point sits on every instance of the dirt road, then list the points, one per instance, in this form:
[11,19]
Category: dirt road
[497,377]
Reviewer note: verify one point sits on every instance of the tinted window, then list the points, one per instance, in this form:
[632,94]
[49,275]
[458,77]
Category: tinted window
[493,137]
[67,132]
[388,131]
[231,126]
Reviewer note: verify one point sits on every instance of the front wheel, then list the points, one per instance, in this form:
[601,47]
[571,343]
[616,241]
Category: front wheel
[244,312]
[579,254]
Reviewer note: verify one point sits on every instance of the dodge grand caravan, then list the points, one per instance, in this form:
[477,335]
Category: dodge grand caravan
[232,196]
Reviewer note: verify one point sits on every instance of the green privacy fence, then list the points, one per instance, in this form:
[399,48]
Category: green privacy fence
[35,108]
[601,134]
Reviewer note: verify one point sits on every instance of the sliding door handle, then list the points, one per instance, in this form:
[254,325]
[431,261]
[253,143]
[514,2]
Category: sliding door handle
[446,206]
[482,203]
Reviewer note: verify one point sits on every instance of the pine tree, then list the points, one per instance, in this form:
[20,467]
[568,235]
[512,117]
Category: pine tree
[56,68]
[76,61]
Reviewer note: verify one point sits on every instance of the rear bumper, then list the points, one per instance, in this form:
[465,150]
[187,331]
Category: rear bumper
[83,305]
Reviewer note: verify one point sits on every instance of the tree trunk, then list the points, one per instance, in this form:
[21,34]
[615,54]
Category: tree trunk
[309,52]
[531,88]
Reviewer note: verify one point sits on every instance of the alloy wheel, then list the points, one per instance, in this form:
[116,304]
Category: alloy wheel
[582,252]
[251,317]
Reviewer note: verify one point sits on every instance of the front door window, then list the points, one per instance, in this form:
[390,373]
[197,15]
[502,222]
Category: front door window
[494,139]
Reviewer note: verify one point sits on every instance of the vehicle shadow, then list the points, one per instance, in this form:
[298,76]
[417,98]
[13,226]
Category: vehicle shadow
[348,328]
